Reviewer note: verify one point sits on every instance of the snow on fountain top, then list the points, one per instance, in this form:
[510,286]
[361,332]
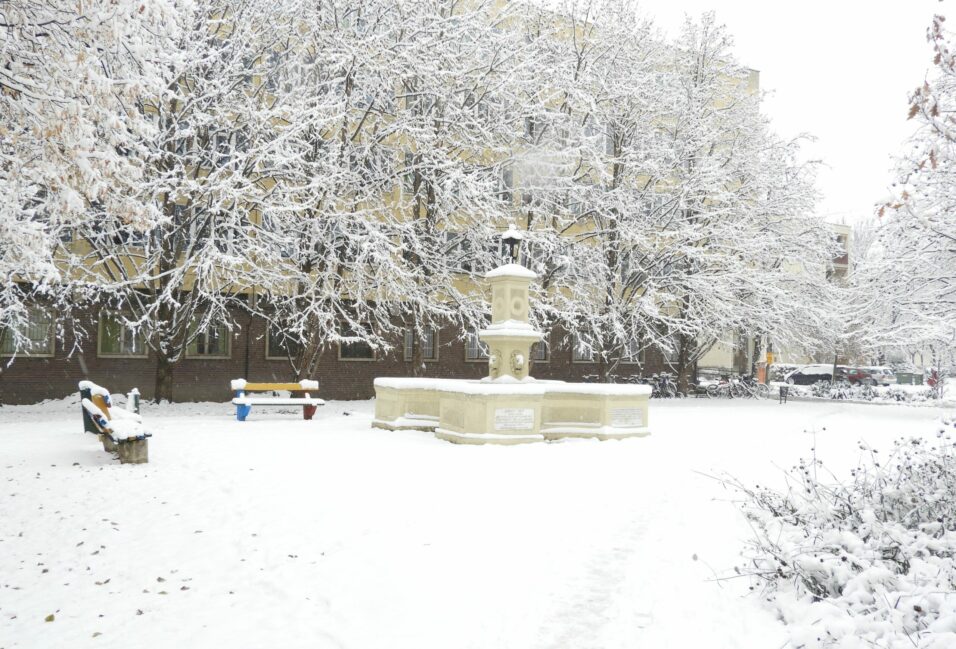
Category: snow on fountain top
[511,270]
[511,385]
[513,328]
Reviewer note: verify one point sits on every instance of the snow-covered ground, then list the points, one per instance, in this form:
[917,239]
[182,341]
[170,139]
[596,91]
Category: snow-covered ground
[279,532]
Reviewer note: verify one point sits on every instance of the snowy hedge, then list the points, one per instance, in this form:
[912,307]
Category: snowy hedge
[889,394]
[868,562]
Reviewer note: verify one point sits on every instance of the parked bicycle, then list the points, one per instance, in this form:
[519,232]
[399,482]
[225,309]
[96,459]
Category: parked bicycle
[718,390]
[741,387]
[663,386]
[747,386]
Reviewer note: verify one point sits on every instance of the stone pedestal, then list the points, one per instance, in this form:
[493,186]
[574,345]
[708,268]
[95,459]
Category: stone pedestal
[133,451]
[108,444]
[509,337]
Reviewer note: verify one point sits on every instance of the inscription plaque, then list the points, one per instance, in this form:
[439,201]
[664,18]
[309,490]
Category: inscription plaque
[514,418]
[627,417]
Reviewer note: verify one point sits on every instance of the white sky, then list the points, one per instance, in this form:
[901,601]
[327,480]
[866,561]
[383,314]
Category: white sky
[838,69]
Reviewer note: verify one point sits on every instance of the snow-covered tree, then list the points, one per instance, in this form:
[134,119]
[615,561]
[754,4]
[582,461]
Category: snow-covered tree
[180,282]
[340,170]
[689,217]
[395,170]
[906,288]
[70,74]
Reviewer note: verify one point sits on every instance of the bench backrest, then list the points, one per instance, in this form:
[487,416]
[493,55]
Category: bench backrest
[241,387]
[98,417]
[99,398]
[270,387]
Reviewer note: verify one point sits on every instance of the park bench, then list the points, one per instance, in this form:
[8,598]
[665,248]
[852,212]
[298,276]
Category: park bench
[119,430]
[300,396]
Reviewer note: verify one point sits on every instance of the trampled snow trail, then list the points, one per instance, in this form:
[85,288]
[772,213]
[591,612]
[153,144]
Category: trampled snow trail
[282,532]
[591,602]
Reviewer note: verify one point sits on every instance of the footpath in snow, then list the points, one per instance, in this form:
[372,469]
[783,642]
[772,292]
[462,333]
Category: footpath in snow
[279,532]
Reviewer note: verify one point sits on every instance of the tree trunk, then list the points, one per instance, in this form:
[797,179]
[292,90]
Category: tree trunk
[310,370]
[756,356]
[683,382]
[604,369]
[418,349]
[164,379]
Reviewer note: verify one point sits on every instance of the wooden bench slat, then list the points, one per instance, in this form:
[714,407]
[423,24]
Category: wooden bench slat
[265,387]
[277,401]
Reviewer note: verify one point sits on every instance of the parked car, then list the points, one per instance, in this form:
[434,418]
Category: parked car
[881,375]
[858,375]
[810,374]
[779,371]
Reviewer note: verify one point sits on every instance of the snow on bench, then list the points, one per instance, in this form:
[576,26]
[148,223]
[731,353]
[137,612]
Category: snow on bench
[120,431]
[278,401]
[244,403]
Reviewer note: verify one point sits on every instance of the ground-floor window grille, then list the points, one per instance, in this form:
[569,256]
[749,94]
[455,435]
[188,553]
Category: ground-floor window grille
[475,349]
[117,339]
[38,335]
[429,343]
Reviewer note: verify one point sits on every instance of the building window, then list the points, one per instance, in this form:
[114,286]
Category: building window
[212,342]
[117,339]
[475,349]
[38,335]
[279,346]
[540,352]
[358,350]
[633,352]
[429,343]
[672,354]
[581,352]
[506,183]
[408,173]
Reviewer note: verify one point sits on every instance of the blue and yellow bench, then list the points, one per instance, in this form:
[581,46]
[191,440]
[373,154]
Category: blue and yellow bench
[301,396]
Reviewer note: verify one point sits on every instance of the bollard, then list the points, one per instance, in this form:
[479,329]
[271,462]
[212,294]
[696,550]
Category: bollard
[132,400]
[784,393]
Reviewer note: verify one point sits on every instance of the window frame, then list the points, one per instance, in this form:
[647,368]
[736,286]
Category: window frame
[408,346]
[268,339]
[627,359]
[227,336]
[479,359]
[574,347]
[51,338]
[670,358]
[100,320]
[346,359]
[545,343]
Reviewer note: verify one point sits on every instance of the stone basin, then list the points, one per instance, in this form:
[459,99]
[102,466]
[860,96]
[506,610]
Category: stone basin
[511,411]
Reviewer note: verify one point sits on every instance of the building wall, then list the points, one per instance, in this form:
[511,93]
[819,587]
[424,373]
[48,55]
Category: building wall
[30,380]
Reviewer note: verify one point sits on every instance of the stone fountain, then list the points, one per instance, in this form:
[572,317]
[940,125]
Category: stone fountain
[509,406]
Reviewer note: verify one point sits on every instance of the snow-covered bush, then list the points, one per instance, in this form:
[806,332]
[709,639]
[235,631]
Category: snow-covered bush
[868,562]
[880,394]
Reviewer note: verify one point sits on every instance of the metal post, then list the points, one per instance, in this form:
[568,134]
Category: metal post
[132,400]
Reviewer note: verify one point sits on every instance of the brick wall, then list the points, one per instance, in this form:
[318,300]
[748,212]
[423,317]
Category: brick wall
[29,380]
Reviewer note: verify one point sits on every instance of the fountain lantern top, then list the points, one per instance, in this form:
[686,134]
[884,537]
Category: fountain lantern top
[512,239]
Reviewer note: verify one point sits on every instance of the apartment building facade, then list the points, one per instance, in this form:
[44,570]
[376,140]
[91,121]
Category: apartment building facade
[112,355]
[735,352]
